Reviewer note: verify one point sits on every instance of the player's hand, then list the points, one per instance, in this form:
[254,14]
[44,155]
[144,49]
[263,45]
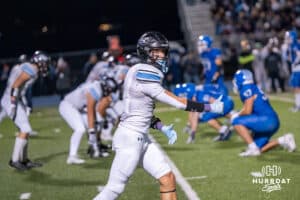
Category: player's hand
[170,133]
[217,106]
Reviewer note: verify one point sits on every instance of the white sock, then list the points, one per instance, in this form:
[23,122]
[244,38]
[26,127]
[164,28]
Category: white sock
[252,146]
[297,100]
[20,143]
[223,129]
[75,143]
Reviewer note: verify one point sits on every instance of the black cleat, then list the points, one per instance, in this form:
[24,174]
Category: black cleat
[18,165]
[29,164]
[105,147]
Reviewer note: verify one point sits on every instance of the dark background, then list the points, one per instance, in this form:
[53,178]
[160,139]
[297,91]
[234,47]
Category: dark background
[73,25]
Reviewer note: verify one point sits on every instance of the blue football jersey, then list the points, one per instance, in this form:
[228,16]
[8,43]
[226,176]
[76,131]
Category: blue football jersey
[261,104]
[208,61]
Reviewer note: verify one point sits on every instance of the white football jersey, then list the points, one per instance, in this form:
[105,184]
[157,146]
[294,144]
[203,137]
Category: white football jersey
[99,69]
[16,72]
[142,84]
[78,96]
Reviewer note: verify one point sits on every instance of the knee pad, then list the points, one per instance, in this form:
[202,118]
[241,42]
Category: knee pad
[116,187]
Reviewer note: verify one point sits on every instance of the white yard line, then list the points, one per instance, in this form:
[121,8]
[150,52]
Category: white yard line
[181,181]
[195,177]
[283,99]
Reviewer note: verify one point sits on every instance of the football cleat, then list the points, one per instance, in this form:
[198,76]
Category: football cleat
[17,165]
[289,142]
[294,109]
[250,152]
[75,160]
[29,164]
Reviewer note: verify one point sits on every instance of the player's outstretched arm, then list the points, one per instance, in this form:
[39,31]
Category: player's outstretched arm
[188,105]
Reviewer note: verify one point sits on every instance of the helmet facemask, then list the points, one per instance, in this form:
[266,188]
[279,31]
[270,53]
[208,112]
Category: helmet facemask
[158,56]
[149,44]
[42,61]
[202,47]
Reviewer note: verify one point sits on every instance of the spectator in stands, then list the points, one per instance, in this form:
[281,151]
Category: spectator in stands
[88,66]
[192,68]
[246,57]
[4,74]
[174,74]
[260,53]
[273,64]
[115,48]
[63,82]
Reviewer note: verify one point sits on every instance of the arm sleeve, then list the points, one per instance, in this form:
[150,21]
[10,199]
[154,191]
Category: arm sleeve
[28,69]
[93,91]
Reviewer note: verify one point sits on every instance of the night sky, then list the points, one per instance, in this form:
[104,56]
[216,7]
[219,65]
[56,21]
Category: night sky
[73,25]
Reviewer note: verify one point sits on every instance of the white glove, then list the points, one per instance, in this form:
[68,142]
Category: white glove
[217,106]
[170,133]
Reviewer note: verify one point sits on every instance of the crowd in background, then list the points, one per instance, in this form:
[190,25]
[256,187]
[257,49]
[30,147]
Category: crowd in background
[251,34]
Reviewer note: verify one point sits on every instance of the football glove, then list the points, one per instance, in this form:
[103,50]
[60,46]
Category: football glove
[170,133]
[217,106]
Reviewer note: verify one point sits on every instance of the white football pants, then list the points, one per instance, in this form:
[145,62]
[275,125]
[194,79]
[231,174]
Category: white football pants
[132,149]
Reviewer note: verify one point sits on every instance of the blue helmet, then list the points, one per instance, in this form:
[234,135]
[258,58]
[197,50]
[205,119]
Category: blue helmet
[290,37]
[187,90]
[204,43]
[242,77]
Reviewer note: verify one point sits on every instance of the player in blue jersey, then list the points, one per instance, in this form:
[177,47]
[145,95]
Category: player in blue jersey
[294,58]
[205,94]
[211,59]
[257,116]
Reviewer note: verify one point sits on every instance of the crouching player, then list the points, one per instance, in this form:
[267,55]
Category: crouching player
[257,116]
[72,110]
[207,93]
[19,80]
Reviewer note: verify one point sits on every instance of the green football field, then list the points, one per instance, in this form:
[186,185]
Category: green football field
[213,169]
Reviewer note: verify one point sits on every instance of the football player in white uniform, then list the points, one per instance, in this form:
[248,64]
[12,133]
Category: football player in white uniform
[19,80]
[72,110]
[142,87]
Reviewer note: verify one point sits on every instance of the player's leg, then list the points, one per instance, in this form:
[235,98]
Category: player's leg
[287,141]
[263,127]
[73,117]
[243,125]
[154,163]
[128,146]
[295,83]
[193,122]
[20,151]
